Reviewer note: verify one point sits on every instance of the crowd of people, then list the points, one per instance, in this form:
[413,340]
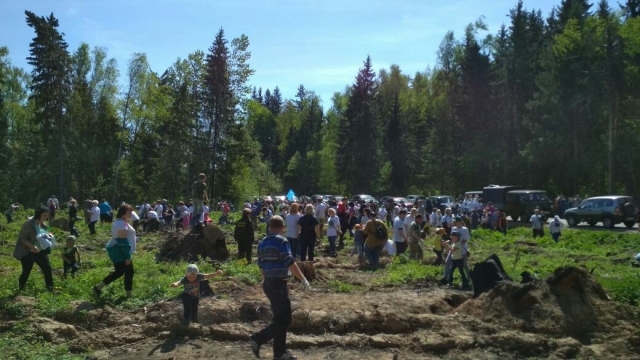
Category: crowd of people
[292,231]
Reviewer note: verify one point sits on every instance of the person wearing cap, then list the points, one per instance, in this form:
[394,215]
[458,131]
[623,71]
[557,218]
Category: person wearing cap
[191,294]
[276,266]
[537,224]
[464,236]
[555,228]
[457,262]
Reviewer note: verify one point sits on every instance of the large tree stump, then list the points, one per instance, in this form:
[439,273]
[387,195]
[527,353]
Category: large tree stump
[60,223]
[207,242]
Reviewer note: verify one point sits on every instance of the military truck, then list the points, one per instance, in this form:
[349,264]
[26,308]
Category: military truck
[496,195]
[522,203]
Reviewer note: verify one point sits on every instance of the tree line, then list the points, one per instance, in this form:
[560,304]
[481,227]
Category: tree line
[545,102]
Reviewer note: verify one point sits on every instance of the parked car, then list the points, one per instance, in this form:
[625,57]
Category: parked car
[362,198]
[442,201]
[413,199]
[385,199]
[522,203]
[610,210]
[336,198]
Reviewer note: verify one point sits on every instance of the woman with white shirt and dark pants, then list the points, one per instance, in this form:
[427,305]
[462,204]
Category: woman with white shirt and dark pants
[121,268]
[95,216]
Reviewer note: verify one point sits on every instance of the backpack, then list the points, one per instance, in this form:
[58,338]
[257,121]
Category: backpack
[381,231]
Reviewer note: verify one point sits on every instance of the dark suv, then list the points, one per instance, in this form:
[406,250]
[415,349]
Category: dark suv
[522,203]
[610,210]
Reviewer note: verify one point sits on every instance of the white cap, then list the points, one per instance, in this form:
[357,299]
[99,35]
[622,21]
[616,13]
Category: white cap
[192,269]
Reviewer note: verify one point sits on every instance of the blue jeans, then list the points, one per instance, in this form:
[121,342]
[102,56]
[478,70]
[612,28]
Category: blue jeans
[555,236]
[332,244]
[358,248]
[373,254]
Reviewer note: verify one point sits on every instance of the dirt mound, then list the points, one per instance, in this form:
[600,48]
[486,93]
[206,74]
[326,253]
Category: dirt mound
[207,242]
[569,303]
[60,223]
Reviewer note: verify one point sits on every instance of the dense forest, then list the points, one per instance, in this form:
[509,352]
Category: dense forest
[547,102]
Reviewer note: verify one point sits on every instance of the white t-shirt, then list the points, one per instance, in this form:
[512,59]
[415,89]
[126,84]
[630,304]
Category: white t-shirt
[118,225]
[321,211]
[382,213]
[555,226]
[160,210]
[152,215]
[465,236]
[536,221]
[333,224]
[447,219]
[292,225]
[407,221]
[134,216]
[390,247]
[397,226]
[205,211]
[433,219]
[95,214]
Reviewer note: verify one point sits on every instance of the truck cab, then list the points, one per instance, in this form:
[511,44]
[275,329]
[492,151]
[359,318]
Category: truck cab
[521,204]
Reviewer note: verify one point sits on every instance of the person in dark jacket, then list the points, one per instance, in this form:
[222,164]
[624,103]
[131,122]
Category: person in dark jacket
[29,252]
[244,235]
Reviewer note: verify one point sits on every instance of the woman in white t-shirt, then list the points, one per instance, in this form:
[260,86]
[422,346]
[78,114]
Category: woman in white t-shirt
[291,221]
[95,216]
[333,231]
[122,267]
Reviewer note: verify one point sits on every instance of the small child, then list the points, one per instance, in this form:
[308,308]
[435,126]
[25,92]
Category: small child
[457,262]
[70,257]
[191,295]
[358,243]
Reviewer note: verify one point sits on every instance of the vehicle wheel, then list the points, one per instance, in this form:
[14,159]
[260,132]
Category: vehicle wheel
[629,224]
[592,224]
[571,221]
[608,222]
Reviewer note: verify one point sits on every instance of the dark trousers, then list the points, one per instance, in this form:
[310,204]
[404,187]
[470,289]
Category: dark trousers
[294,243]
[42,260]
[343,227]
[52,212]
[439,260]
[244,249]
[190,307]
[401,247]
[278,295]
[73,267]
[92,227]
[9,218]
[457,264]
[307,246]
[121,269]
[72,228]
[538,232]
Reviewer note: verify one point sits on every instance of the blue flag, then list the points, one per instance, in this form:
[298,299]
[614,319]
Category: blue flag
[290,195]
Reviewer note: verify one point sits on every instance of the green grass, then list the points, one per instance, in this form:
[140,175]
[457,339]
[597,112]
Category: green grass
[609,254]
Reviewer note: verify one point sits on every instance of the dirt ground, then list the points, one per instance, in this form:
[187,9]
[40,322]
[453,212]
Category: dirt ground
[567,316]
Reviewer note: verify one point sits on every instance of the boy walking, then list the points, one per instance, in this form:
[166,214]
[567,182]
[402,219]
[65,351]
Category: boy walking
[70,257]
[191,295]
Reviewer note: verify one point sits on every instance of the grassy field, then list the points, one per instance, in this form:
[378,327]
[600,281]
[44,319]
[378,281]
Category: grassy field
[608,254]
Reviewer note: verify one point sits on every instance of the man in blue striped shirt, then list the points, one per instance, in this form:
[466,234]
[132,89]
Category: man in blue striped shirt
[276,266]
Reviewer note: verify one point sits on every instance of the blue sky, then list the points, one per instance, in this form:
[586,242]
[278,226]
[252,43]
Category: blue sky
[320,44]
